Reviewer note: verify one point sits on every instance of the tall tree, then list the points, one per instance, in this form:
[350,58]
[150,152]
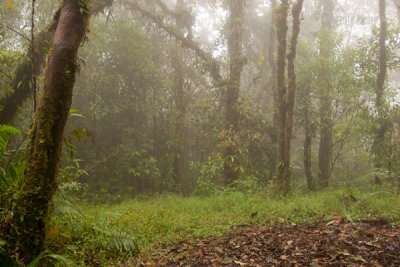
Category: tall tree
[31,211]
[325,143]
[236,63]
[286,94]
[282,29]
[179,120]
[272,65]
[382,127]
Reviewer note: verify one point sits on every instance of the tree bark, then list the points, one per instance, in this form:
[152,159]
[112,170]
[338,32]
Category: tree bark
[325,144]
[236,63]
[44,150]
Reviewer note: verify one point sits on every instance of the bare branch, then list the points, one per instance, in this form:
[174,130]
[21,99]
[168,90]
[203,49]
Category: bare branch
[211,64]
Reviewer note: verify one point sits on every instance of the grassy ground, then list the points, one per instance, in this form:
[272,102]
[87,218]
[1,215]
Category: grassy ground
[98,234]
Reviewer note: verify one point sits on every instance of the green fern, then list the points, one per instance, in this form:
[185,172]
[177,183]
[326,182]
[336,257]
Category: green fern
[112,239]
[6,132]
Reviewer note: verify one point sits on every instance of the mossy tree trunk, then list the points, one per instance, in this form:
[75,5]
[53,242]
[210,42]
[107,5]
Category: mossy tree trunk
[236,62]
[22,82]
[43,156]
[286,94]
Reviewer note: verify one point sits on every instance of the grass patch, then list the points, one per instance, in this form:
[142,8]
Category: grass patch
[96,234]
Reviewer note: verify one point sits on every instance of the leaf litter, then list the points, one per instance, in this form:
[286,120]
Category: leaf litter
[337,242]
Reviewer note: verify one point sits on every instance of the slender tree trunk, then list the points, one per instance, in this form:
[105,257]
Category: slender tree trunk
[378,145]
[286,96]
[325,144]
[282,29]
[40,182]
[236,63]
[307,149]
[296,10]
[272,65]
[180,109]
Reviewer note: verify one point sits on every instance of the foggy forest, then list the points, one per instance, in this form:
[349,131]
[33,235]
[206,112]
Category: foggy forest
[200,133]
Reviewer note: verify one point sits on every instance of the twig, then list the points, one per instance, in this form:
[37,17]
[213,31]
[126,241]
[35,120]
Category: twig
[17,32]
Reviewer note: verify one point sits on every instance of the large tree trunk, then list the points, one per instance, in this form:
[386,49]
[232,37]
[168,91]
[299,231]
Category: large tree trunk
[325,144]
[40,182]
[381,128]
[236,62]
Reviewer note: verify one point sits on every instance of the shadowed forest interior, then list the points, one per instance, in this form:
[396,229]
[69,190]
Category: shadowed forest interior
[172,132]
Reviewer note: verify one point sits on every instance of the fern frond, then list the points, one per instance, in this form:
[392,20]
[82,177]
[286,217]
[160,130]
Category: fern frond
[118,240]
[6,132]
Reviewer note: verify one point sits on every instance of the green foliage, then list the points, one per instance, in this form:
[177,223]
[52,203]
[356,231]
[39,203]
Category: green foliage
[144,164]
[9,60]
[84,236]
[247,184]
[10,175]
[55,257]
[6,132]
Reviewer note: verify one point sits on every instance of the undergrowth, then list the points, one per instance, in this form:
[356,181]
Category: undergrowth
[99,234]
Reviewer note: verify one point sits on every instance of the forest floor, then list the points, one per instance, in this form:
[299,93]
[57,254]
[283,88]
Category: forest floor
[231,228]
[326,243]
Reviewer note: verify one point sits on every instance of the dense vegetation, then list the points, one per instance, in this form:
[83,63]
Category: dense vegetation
[127,126]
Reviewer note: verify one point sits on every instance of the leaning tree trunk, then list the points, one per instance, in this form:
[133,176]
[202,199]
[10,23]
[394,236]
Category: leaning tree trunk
[43,156]
[22,82]
[325,144]
[236,62]
[378,145]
